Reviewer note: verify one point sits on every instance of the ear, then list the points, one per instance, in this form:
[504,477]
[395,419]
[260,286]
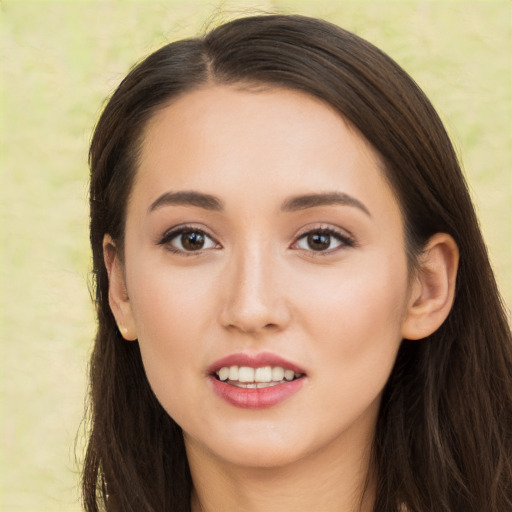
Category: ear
[117,294]
[433,289]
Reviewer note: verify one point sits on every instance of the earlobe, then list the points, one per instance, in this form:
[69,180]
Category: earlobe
[117,294]
[433,290]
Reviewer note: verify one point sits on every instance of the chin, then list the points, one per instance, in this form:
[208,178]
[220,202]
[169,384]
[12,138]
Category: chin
[249,444]
[258,445]
[255,456]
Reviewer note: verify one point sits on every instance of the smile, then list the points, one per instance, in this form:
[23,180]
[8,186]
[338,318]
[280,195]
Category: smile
[255,381]
[251,378]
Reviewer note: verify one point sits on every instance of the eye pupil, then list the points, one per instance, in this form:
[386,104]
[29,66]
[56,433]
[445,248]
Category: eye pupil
[192,240]
[319,241]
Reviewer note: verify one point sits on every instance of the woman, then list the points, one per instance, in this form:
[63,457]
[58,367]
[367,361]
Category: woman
[296,308]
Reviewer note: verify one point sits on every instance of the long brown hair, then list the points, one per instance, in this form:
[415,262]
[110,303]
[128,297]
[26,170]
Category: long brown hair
[444,435]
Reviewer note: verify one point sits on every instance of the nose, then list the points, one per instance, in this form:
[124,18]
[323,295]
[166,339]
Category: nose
[254,302]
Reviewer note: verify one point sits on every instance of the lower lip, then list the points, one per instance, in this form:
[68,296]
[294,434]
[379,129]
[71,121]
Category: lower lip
[255,398]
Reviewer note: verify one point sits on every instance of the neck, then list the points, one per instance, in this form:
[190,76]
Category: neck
[330,480]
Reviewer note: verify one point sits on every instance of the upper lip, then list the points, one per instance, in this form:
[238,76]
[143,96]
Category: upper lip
[254,361]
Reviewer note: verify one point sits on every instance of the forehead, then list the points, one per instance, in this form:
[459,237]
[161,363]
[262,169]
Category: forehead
[272,142]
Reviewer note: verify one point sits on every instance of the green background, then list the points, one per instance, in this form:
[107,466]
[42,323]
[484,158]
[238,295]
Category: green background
[59,61]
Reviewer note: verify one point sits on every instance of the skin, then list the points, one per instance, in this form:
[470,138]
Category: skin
[257,286]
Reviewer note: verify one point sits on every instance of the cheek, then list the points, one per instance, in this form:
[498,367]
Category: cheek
[171,310]
[166,299]
[354,315]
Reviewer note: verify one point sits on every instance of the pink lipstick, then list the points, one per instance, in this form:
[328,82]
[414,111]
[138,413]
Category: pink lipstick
[255,381]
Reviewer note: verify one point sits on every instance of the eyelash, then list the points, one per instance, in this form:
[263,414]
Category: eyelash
[176,232]
[345,240]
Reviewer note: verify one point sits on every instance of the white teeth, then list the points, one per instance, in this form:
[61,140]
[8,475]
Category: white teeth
[289,374]
[265,384]
[224,373]
[246,374]
[264,376]
[233,373]
[253,385]
[277,373]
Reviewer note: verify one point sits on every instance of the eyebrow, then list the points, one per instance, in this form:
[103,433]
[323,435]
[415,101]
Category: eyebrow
[296,203]
[187,198]
[322,199]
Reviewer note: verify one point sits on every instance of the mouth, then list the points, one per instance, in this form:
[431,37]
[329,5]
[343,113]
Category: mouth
[255,381]
[256,378]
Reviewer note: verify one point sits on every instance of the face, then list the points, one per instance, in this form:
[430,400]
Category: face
[266,274]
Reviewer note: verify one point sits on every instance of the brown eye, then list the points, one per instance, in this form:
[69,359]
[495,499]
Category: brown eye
[192,240]
[188,240]
[319,241]
[323,240]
